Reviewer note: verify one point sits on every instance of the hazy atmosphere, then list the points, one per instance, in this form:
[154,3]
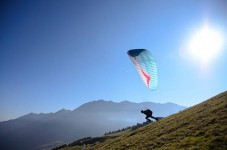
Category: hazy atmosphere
[62,54]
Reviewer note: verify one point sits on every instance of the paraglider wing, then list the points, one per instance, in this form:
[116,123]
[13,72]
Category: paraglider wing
[146,66]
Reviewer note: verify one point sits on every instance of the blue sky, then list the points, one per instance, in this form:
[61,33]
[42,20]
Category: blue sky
[61,54]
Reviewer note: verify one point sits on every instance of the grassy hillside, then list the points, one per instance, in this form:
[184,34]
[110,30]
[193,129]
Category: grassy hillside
[203,126]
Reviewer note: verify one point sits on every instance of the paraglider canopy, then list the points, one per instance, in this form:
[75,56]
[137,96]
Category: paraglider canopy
[146,66]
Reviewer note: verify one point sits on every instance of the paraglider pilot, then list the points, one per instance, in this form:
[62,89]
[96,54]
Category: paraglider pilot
[148,114]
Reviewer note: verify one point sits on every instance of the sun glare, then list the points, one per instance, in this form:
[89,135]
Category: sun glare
[205,45]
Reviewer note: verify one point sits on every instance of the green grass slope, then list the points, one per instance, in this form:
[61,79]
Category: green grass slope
[203,126]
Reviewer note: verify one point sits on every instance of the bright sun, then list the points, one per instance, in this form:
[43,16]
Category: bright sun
[205,45]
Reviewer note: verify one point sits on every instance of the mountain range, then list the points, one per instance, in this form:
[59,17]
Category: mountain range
[43,131]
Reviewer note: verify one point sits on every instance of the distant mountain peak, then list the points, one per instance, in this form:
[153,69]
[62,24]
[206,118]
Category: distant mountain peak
[103,101]
[125,101]
[63,110]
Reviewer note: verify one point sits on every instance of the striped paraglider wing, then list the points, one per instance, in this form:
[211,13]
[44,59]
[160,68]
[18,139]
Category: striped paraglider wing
[146,66]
